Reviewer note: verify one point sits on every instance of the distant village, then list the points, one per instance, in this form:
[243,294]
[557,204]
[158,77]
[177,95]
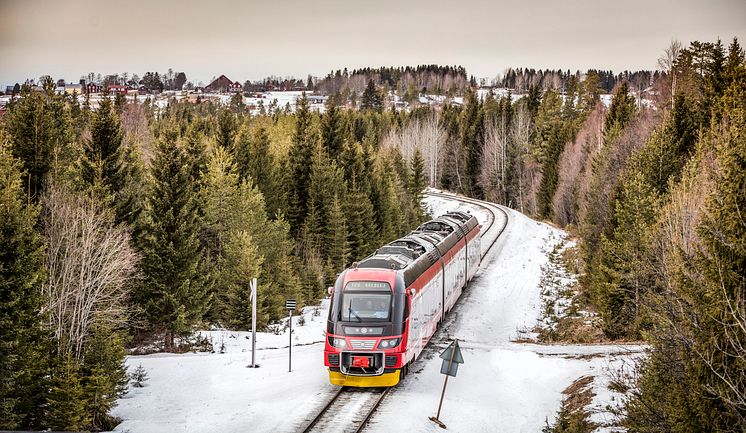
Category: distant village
[256,98]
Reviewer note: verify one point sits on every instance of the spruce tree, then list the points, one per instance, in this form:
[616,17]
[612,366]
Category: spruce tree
[254,160]
[102,157]
[41,138]
[621,110]
[103,375]
[472,142]
[241,261]
[384,186]
[336,247]
[65,409]
[333,130]
[416,184]
[372,98]
[245,244]
[361,225]
[298,174]
[721,339]
[625,273]
[175,290]
[552,132]
[227,126]
[22,337]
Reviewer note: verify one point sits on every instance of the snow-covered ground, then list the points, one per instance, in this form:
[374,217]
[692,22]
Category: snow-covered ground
[502,386]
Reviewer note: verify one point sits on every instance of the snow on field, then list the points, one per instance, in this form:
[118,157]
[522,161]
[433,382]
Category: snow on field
[502,386]
[216,392]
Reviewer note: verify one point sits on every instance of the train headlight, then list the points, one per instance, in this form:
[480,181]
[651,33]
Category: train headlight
[389,343]
[340,343]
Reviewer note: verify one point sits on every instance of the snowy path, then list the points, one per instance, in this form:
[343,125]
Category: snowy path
[502,386]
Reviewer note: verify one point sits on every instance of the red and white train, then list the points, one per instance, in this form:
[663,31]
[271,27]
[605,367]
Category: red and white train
[385,309]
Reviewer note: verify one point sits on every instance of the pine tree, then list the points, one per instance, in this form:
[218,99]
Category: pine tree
[229,213]
[103,375]
[241,262]
[246,244]
[195,147]
[372,98]
[621,110]
[102,158]
[298,172]
[40,137]
[227,126]
[255,161]
[175,290]
[722,260]
[22,338]
[66,404]
[336,248]
[130,201]
[361,225]
[384,186]
[625,274]
[472,141]
[552,132]
[416,184]
[333,131]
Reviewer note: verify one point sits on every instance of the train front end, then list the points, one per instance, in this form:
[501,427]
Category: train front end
[365,329]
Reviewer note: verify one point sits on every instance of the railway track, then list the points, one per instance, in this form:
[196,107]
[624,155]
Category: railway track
[350,409]
[493,237]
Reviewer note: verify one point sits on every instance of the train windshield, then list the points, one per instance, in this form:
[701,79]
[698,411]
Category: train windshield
[366,301]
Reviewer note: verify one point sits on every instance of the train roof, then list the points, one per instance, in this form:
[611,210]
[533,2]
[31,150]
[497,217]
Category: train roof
[420,249]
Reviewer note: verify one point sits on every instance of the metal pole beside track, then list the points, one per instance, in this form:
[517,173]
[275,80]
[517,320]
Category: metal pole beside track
[253,322]
[290,346]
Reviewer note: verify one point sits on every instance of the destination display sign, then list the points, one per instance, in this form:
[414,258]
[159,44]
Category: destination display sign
[368,285]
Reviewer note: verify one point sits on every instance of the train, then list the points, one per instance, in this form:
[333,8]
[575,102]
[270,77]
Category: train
[385,308]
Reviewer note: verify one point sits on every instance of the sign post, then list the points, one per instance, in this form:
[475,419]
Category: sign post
[290,305]
[253,323]
[451,359]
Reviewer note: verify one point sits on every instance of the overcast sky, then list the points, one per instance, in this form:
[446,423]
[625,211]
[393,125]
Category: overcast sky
[248,39]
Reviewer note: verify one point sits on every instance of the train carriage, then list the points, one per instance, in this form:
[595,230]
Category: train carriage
[385,308]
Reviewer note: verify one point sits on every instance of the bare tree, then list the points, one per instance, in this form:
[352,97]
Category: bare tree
[667,62]
[526,169]
[90,265]
[573,166]
[494,175]
[428,136]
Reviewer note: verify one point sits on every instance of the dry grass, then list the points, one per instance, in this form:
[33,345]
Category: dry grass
[573,415]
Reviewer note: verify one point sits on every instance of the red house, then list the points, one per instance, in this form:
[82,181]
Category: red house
[221,85]
[235,87]
[93,88]
[116,88]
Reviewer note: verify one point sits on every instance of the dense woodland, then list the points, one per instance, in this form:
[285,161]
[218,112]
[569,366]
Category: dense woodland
[130,224]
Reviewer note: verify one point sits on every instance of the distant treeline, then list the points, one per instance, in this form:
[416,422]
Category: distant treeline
[520,79]
[434,79]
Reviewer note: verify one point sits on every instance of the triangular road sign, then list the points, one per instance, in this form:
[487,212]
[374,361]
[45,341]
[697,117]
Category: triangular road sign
[457,358]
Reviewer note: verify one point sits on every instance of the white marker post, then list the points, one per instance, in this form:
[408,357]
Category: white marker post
[253,323]
[290,305]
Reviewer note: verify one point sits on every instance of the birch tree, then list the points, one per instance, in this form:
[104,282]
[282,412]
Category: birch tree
[494,176]
[90,265]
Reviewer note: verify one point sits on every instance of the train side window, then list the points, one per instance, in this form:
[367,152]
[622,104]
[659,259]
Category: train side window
[406,308]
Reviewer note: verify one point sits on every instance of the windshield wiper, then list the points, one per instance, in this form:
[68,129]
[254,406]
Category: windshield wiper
[349,312]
